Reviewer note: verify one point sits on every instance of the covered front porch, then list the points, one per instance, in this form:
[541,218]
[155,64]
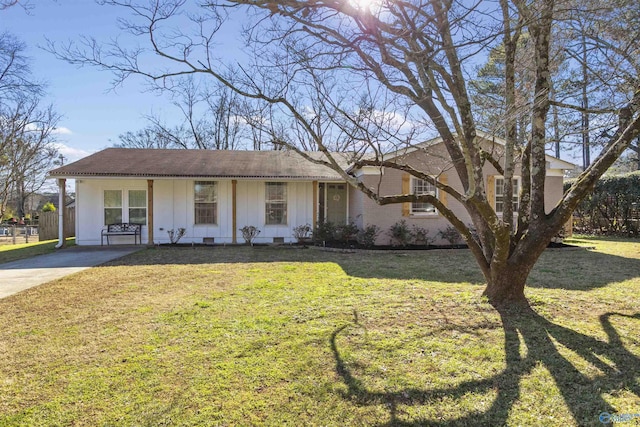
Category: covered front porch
[161,205]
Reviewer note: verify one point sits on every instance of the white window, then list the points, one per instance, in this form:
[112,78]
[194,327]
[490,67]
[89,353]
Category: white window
[275,203]
[420,187]
[499,184]
[206,202]
[133,212]
[112,207]
[138,207]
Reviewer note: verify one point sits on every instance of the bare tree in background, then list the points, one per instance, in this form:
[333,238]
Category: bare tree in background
[27,137]
[30,154]
[16,79]
[210,119]
[27,151]
[312,60]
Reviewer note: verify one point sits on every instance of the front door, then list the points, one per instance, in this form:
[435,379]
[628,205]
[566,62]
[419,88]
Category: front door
[336,203]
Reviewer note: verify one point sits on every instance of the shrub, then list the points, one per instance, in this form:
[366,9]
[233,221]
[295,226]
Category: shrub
[324,232]
[346,232]
[420,236]
[175,236]
[302,232]
[400,233]
[367,236]
[451,235]
[612,208]
[249,233]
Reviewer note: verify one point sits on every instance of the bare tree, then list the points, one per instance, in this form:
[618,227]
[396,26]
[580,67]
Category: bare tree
[210,119]
[148,137]
[16,79]
[27,151]
[309,58]
[26,129]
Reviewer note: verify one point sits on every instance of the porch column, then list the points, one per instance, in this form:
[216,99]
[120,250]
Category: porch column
[150,212]
[314,186]
[234,211]
[62,187]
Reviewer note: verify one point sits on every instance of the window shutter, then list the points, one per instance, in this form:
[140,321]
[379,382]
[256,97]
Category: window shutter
[442,196]
[491,191]
[406,189]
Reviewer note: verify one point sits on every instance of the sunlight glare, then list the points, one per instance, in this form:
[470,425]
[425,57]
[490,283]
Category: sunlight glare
[364,4]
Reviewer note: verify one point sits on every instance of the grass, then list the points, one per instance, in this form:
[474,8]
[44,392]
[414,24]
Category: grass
[16,252]
[279,336]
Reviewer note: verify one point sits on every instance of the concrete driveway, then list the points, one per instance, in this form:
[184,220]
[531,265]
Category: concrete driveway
[19,275]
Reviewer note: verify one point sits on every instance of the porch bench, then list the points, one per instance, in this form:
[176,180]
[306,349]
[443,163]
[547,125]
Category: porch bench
[122,229]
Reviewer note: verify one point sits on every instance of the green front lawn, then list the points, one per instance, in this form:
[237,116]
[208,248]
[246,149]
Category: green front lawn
[280,336]
[10,252]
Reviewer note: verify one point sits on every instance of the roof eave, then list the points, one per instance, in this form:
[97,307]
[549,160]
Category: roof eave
[174,176]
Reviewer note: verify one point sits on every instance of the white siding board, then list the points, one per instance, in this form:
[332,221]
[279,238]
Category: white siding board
[90,209]
[174,208]
[163,209]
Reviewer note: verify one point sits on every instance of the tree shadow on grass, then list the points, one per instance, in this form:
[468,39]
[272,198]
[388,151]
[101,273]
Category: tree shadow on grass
[582,395]
[558,269]
[581,270]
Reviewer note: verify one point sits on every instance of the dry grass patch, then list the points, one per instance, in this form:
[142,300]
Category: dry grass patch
[279,336]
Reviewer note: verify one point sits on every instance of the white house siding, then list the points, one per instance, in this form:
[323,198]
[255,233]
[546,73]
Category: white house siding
[251,209]
[90,209]
[174,208]
[169,207]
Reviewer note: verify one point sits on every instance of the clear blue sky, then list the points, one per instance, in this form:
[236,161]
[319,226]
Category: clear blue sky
[93,114]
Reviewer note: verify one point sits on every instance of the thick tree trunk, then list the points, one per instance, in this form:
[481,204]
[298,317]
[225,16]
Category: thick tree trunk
[505,286]
[507,276]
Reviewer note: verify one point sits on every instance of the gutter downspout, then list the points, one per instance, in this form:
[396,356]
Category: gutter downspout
[62,186]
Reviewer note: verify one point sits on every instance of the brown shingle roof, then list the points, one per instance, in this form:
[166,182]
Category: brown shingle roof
[131,162]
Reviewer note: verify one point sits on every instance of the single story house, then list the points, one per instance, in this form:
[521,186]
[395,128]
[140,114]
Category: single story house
[212,194]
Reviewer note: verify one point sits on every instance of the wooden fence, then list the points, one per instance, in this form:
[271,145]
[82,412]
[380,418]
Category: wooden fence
[48,224]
